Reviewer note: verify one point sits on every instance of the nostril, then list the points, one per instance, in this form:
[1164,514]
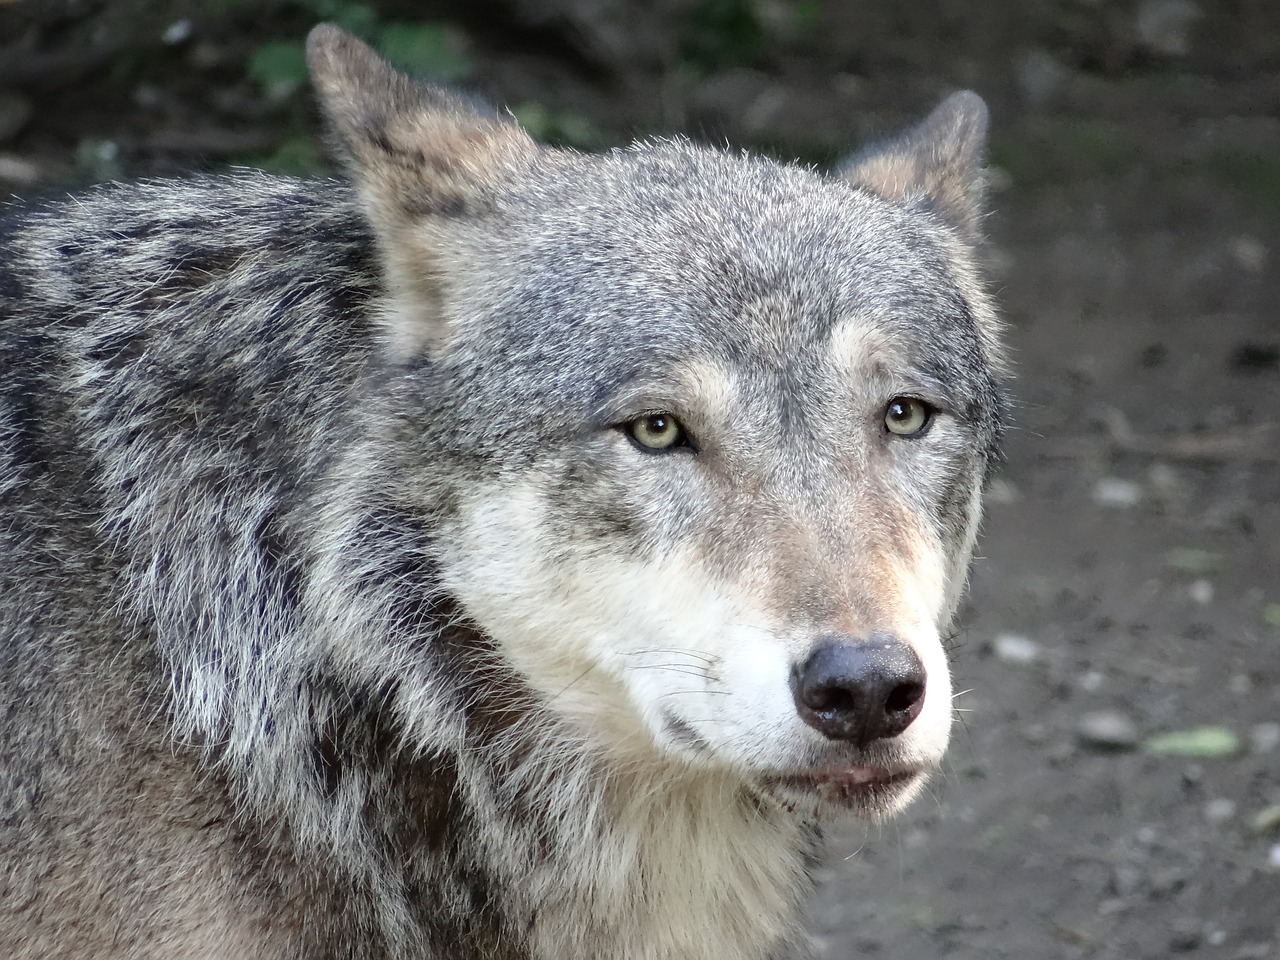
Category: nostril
[832,698]
[904,697]
[860,691]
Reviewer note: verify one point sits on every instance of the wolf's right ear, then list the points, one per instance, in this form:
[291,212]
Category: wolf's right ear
[413,150]
[938,161]
[420,158]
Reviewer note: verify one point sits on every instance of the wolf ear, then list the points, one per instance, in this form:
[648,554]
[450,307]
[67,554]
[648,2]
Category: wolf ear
[413,150]
[939,160]
[421,158]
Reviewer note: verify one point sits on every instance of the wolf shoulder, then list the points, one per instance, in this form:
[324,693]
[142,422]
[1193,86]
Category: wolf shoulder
[164,252]
[225,310]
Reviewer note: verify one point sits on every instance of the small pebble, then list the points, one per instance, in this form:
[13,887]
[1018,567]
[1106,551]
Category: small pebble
[1166,881]
[1185,938]
[1015,648]
[1273,857]
[1112,906]
[916,840]
[1164,27]
[177,32]
[1035,734]
[15,169]
[1126,880]
[1091,681]
[1040,77]
[1264,737]
[1201,592]
[1114,492]
[1219,810]
[1249,253]
[1108,730]
[1164,478]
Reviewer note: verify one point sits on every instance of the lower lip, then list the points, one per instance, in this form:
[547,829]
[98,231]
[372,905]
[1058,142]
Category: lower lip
[853,784]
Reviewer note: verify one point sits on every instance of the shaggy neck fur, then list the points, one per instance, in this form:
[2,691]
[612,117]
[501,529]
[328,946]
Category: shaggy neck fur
[465,820]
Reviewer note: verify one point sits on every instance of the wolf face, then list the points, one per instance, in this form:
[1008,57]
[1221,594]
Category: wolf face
[707,434]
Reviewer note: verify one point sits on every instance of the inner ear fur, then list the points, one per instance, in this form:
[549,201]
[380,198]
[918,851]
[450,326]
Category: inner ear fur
[940,161]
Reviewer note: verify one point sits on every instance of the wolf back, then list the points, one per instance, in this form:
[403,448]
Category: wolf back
[492,556]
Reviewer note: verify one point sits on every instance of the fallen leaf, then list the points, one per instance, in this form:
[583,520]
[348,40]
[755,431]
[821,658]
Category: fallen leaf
[1206,741]
[1193,560]
[1271,615]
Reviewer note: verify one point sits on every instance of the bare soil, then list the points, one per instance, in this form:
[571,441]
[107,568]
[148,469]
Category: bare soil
[1130,564]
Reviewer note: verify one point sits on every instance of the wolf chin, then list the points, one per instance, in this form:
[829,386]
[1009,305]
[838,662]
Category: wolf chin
[508,553]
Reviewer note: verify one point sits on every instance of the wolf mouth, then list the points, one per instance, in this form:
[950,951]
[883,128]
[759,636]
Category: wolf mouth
[854,786]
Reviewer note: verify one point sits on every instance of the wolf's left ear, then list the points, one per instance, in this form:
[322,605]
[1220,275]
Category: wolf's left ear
[938,161]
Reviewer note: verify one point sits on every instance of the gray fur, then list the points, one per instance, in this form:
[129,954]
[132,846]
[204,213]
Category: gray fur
[253,699]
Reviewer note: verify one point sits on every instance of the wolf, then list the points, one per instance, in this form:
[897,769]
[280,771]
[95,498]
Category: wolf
[502,553]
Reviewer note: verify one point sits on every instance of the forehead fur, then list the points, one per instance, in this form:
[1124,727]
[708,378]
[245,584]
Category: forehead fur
[675,249]
[476,224]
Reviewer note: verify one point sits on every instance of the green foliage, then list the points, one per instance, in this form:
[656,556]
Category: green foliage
[1252,173]
[360,18]
[98,160]
[436,50]
[806,15]
[278,67]
[558,127]
[1065,151]
[722,33]
[433,49]
[296,156]
[1097,147]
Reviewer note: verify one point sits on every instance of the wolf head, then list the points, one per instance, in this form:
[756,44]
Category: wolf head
[701,437]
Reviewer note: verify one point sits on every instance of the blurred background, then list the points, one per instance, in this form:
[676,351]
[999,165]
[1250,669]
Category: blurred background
[1114,786]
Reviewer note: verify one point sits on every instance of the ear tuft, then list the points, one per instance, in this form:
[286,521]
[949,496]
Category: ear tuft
[939,160]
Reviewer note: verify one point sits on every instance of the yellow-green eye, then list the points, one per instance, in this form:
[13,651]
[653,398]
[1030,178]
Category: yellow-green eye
[656,431]
[907,416]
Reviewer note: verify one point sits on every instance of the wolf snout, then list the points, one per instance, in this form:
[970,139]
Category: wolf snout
[859,690]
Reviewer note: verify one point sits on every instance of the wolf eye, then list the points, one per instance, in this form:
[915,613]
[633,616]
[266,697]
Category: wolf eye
[657,432]
[907,416]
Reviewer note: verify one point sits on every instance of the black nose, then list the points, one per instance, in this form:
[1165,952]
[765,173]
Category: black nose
[859,690]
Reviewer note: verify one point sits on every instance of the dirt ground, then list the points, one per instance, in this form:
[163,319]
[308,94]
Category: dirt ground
[1129,578]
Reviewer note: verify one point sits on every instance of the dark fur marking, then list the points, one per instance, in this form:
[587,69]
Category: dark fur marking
[119,350]
[278,560]
[684,734]
[22,353]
